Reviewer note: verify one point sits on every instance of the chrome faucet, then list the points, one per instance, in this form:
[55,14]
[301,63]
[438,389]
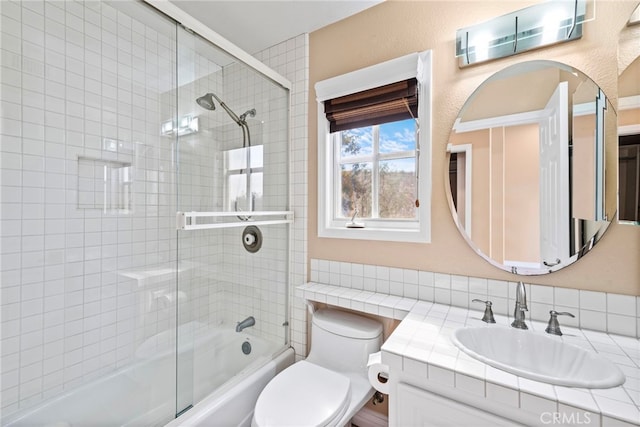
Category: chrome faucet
[521,307]
[488,312]
[248,322]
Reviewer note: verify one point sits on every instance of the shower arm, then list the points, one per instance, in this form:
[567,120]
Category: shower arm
[228,110]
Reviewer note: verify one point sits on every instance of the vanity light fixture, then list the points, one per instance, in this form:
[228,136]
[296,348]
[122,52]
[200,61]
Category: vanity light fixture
[540,25]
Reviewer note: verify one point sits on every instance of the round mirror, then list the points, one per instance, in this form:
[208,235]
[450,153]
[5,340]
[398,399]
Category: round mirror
[532,167]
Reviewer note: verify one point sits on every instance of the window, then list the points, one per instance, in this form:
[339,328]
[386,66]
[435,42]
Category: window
[374,151]
[376,172]
[242,180]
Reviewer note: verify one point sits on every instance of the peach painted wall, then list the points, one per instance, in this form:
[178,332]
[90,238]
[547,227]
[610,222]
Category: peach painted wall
[496,97]
[522,193]
[629,117]
[583,186]
[396,28]
[629,84]
[505,158]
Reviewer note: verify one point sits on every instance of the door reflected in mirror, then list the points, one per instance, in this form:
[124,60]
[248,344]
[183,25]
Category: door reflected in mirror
[530,187]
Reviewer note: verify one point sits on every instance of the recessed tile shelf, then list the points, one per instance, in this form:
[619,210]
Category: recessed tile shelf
[105,185]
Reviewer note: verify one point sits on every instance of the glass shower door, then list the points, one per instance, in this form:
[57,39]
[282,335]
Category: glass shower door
[231,130]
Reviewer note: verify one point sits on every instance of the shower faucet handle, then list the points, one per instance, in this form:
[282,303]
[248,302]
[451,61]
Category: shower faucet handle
[488,312]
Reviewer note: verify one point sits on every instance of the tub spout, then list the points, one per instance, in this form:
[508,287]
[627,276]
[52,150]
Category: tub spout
[249,321]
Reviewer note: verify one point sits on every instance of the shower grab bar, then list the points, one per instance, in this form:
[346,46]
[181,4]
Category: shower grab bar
[186,220]
[194,214]
[233,224]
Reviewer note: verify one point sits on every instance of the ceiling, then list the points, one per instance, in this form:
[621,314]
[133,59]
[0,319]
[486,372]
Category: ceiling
[254,25]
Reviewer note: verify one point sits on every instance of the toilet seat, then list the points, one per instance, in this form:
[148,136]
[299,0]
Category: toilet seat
[304,394]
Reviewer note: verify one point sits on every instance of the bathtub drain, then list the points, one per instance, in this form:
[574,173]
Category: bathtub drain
[246,347]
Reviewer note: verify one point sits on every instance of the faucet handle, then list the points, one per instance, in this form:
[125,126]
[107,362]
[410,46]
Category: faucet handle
[488,312]
[561,313]
[554,327]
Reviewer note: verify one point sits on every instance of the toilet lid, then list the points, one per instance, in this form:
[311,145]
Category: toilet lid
[304,394]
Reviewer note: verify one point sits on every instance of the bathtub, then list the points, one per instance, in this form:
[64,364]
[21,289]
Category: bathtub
[233,404]
[213,371]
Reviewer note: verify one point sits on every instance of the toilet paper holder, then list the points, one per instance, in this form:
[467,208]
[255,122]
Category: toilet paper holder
[378,373]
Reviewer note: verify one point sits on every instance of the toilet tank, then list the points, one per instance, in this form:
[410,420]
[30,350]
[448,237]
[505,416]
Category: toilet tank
[342,341]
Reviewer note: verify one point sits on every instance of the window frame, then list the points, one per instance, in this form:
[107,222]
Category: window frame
[415,65]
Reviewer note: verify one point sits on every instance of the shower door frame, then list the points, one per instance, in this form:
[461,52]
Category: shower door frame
[216,39]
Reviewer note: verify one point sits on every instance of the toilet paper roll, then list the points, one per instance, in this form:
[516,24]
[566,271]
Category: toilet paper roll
[378,373]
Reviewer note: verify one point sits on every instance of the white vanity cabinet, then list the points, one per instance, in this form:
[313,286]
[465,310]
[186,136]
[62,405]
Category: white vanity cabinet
[417,407]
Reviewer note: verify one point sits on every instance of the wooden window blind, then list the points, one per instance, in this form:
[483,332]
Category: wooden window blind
[388,103]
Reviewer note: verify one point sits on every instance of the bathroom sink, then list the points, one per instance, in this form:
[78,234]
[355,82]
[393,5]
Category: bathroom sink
[538,357]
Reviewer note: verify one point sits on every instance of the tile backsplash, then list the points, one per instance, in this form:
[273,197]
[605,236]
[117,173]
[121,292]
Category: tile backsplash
[291,59]
[600,311]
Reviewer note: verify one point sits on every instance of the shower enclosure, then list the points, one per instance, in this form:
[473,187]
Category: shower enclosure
[125,201]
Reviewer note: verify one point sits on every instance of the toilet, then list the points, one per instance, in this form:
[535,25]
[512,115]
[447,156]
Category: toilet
[331,385]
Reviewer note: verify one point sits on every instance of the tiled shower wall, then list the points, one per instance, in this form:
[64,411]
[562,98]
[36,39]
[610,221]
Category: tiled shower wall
[255,284]
[81,85]
[223,283]
[291,59]
[85,88]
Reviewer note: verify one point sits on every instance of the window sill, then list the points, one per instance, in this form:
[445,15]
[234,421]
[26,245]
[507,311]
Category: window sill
[372,233]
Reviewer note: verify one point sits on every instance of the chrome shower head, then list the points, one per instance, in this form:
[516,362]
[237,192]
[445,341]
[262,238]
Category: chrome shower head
[206,101]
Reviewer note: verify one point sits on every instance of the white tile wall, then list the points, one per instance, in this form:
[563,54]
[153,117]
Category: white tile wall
[81,288]
[600,311]
[232,283]
[291,59]
[78,80]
